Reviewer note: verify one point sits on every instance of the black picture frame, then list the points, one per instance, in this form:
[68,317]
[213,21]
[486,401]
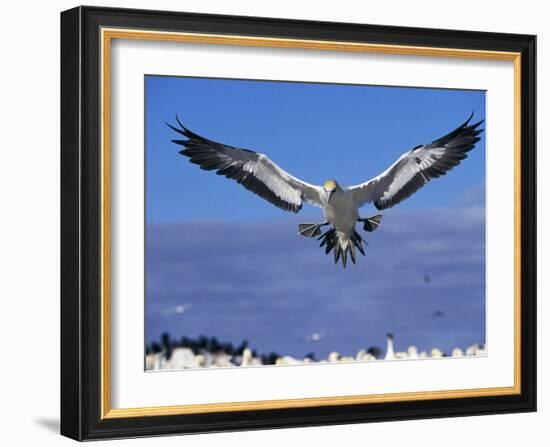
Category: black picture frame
[81,208]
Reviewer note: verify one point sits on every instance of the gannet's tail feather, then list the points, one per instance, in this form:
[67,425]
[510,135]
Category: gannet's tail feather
[358,242]
[328,238]
[342,246]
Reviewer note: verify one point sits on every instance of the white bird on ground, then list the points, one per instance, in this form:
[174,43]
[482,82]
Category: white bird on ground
[364,356]
[476,350]
[390,353]
[412,352]
[246,357]
[340,204]
[287,360]
[457,352]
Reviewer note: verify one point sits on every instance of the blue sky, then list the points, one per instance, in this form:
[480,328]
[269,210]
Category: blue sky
[314,131]
[238,259]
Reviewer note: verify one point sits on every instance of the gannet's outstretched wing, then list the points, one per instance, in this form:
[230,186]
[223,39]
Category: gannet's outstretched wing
[417,167]
[255,171]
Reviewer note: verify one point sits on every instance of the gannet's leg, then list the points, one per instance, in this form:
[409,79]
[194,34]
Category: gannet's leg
[371,223]
[311,229]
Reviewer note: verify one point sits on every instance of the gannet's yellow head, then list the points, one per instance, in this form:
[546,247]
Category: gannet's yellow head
[330,185]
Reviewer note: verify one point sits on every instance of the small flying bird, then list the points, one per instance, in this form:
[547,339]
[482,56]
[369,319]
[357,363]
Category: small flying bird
[340,204]
[178,310]
[315,337]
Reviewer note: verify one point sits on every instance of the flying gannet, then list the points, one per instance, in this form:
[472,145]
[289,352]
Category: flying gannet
[340,204]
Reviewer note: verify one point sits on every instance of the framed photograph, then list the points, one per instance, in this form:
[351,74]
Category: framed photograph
[366,251]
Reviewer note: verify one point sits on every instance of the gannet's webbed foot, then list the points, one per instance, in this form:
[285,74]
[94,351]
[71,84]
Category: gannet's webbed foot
[310,229]
[371,223]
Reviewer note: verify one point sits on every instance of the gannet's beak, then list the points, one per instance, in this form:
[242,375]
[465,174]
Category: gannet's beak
[330,193]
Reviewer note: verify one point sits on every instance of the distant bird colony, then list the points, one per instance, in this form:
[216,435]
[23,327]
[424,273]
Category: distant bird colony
[185,358]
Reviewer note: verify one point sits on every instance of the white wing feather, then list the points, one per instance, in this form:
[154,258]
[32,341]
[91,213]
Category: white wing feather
[255,171]
[417,167]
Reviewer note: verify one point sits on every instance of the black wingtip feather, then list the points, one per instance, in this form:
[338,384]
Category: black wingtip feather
[180,142]
[228,161]
[180,131]
[457,144]
[475,125]
[469,119]
[179,122]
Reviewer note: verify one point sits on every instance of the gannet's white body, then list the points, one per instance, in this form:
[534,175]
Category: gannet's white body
[340,205]
[341,210]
